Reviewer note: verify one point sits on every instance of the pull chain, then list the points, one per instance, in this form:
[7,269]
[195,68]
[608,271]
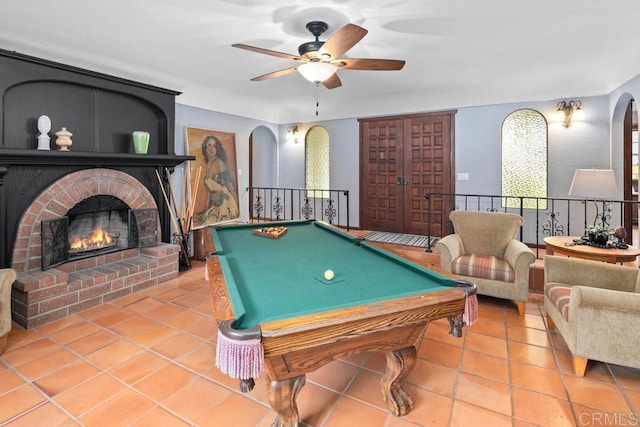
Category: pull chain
[317,97]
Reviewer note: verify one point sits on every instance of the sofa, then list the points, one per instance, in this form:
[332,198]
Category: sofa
[484,250]
[595,307]
[7,277]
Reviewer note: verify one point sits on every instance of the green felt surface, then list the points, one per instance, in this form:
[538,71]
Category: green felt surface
[271,279]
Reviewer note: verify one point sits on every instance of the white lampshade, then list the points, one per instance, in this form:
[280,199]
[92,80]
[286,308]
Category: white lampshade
[594,184]
[317,72]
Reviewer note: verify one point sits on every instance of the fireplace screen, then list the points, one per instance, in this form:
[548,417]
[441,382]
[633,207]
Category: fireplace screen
[97,225]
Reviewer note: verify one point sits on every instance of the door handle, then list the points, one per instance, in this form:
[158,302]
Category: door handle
[406,180]
[399,180]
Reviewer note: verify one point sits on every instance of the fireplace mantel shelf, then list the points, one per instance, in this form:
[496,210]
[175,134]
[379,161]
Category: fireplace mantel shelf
[10,157]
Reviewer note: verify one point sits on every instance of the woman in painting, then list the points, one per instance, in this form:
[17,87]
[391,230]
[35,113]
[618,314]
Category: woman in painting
[222,203]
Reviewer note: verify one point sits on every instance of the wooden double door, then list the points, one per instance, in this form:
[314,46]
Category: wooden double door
[403,158]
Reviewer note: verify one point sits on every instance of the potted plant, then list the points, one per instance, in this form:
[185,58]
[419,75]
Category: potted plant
[598,234]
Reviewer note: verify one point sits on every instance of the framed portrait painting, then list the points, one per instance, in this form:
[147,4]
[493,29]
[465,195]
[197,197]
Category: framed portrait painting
[213,176]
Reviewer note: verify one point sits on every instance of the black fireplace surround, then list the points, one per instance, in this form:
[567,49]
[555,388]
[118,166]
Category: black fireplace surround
[101,111]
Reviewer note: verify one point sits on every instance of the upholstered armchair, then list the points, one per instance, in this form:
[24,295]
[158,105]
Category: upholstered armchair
[7,277]
[485,251]
[595,306]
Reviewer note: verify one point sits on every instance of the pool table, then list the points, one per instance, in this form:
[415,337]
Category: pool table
[273,290]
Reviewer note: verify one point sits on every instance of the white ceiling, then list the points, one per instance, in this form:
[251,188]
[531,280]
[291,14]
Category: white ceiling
[459,52]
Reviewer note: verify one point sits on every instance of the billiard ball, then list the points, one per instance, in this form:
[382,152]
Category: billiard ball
[328,274]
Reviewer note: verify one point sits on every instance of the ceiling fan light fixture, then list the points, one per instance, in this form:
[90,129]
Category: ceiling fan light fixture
[317,72]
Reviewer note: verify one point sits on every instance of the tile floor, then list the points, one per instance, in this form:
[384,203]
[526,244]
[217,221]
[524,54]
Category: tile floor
[148,360]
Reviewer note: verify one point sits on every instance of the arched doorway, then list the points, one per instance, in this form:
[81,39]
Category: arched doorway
[624,131]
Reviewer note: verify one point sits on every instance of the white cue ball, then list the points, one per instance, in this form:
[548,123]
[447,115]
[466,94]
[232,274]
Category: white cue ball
[328,274]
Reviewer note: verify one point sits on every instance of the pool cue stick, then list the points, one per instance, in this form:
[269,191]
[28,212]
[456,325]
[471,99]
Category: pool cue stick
[173,197]
[173,218]
[166,199]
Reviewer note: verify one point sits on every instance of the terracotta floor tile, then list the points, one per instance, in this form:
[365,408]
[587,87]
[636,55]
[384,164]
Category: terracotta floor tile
[315,404]
[465,415]
[440,352]
[47,415]
[19,337]
[176,345]
[627,377]
[9,380]
[59,325]
[439,330]
[195,399]
[486,344]
[90,394]
[347,410]
[171,294]
[159,417]
[132,326]
[531,354]
[111,317]
[495,368]
[138,367]
[152,336]
[429,408]
[114,354]
[480,391]
[74,332]
[201,359]
[528,335]
[366,387]
[66,377]
[494,328]
[596,395]
[207,329]
[235,410]
[534,378]
[164,382]
[634,398]
[144,305]
[335,375]
[535,321]
[17,401]
[433,377]
[93,342]
[47,363]
[164,312]
[376,361]
[119,411]
[33,350]
[185,319]
[541,409]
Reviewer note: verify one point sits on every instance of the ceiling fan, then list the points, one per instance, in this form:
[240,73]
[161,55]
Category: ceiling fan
[321,59]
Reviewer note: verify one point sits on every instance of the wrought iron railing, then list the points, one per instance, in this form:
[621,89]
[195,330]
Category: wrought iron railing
[543,217]
[280,204]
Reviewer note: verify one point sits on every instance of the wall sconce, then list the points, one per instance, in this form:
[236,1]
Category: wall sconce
[568,108]
[293,133]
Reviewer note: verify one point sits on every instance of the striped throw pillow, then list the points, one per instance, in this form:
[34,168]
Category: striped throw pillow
[559,296]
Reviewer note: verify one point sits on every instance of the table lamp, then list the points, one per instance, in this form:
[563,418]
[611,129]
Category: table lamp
[597,185]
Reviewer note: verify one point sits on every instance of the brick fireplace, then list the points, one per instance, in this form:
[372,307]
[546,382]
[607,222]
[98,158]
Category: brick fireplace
[42,296]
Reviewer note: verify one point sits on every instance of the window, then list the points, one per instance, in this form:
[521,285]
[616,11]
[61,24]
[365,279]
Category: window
[524,159]
[316,157]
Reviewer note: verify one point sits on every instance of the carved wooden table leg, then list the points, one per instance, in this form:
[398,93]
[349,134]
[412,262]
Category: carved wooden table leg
[282,398]
[399,364]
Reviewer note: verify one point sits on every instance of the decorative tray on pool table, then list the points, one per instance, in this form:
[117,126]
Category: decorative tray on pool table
[272,232]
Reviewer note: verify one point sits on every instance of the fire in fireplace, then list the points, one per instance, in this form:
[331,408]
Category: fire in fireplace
[99,239]
[97,225]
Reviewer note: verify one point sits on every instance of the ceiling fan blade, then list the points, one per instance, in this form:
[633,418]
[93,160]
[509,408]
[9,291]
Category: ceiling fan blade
[369,64]
[332,82]
[343,40]
[274,74]
[267,51]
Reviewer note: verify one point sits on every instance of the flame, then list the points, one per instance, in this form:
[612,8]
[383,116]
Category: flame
[98,239]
